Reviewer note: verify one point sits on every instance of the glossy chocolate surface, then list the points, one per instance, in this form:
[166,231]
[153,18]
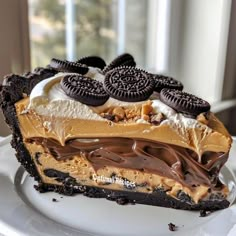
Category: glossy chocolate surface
[171,161]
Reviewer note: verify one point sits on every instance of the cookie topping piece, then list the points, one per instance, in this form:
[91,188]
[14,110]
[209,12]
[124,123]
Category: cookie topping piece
[67,66]
[162,81]
[184,102]
[172,227]
[84,89]
[128,84]
[93,61]
[123,60]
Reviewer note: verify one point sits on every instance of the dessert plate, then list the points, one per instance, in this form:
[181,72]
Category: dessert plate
[24,211]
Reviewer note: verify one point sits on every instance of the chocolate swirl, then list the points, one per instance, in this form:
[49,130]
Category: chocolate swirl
[171,161]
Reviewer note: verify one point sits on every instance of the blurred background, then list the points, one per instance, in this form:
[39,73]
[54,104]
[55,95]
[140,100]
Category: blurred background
[192,41]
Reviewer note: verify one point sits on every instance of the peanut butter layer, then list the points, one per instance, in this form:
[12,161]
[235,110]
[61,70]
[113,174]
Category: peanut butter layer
[81,169]
[199,139]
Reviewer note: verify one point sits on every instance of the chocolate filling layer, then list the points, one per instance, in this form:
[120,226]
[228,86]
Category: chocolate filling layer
[171,161]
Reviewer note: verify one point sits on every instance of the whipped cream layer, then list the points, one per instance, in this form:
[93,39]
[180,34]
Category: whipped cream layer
[48,99]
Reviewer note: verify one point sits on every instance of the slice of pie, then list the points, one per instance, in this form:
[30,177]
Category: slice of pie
[116,132]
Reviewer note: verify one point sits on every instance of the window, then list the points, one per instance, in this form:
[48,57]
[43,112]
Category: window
[75,28]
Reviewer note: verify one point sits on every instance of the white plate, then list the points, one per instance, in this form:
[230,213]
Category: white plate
[24,211]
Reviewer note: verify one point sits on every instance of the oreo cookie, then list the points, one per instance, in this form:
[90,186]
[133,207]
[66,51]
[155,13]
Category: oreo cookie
[183,102]
[84,89]
[162,81]
[128,84]
[93,61]
[67,66]
[123,60]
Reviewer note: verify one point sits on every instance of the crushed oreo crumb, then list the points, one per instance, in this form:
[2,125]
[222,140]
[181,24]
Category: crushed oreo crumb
[122,201]
[54,200]
[109,117]
[155,122]
[144,184]
[37,156]
[172,227]
[183,197]
[40,188]
[204,213]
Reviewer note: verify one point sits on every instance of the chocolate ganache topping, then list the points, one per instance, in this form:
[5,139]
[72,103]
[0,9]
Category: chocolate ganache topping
[171,161]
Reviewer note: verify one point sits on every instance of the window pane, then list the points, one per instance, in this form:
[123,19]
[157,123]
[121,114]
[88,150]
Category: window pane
[87,27]
[136,30]
[47,31]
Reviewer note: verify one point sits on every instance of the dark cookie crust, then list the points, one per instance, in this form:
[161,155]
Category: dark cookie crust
[13,89]
[157,198]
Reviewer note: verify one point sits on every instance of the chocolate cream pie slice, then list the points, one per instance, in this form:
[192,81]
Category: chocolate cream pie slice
[117,132]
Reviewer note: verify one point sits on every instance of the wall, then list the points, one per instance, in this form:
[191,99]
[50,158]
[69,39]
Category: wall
[198,42]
